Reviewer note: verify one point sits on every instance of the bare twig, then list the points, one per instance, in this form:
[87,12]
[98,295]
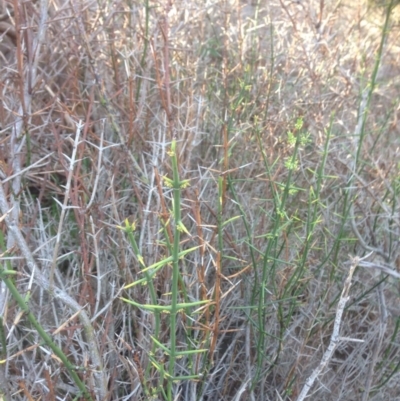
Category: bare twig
[384,268]
[335,337]
[36,165]
[64,206]
[43,282]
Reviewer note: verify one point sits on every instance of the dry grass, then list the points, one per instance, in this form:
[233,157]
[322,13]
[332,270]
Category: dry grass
[285,117]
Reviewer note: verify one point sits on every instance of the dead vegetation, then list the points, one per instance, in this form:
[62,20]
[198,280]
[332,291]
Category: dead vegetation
[285,117]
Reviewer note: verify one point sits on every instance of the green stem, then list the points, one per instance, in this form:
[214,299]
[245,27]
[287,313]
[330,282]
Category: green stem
[153,296]
[47,339]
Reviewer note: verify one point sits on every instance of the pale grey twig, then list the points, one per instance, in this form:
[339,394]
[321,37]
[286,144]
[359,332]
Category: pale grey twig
[335,337]
[99,160]
[43,282]
[241,390]
[36,164]
[384,268]
[98,265]
[64,206]
[40,38]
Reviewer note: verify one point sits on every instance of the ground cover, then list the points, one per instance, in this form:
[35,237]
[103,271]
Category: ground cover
[199,200]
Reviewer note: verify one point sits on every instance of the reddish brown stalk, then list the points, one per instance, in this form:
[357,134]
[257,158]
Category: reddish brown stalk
[27,394]
[51,396]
